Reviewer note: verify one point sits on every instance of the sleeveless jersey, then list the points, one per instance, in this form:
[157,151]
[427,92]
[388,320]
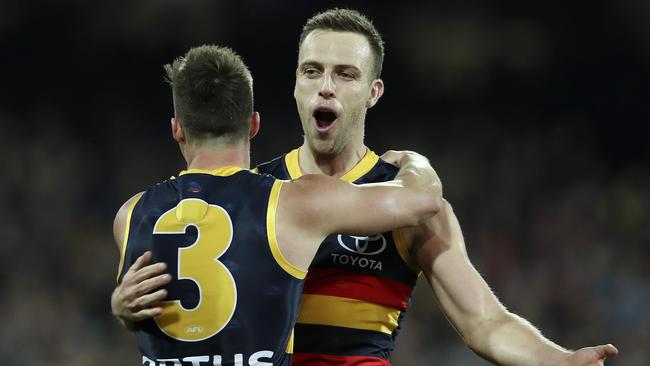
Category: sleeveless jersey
[357,290]
[233,299]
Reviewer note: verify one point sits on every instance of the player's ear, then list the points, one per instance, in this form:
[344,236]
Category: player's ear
[255,125]
[376,91]
[177,131]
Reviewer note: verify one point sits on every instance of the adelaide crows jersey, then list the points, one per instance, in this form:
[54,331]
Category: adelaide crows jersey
[233,299]
[357,290]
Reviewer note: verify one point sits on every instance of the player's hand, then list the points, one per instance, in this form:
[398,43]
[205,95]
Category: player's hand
[589,356]
[415,168]
[394,157]
[135,299]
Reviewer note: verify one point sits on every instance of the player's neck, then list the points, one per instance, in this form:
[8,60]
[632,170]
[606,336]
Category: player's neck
[209,158]
[334,165]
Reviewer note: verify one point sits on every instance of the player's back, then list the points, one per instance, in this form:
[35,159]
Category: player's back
[233,299]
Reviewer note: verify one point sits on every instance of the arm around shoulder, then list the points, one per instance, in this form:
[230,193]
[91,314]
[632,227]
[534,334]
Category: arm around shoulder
[314,206]
[328,205]
[137,296]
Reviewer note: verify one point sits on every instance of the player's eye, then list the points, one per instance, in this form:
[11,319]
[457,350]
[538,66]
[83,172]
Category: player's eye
[347,75]
[311,72]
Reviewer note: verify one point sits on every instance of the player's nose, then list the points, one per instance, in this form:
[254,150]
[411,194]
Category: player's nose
[327,88]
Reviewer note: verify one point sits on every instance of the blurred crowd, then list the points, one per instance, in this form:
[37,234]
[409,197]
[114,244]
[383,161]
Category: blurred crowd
[533,115]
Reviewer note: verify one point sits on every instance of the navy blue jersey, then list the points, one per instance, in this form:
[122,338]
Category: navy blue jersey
[233,299]
[358,289]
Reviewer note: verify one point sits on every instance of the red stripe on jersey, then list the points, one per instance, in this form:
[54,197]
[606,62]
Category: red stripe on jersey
[311,359]
[336,282]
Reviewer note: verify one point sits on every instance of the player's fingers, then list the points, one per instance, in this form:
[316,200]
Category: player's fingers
[153,283]
[139,303]
[391,157]
[147,313]
[149,271]
[142,261]
[145,301]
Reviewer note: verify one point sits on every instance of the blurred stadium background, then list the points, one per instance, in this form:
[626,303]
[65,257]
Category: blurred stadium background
[534,114]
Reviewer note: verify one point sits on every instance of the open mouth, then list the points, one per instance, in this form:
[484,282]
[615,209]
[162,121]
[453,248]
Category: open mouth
[324,119]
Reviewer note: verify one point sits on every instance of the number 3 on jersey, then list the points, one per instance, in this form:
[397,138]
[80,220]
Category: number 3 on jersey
[199,263]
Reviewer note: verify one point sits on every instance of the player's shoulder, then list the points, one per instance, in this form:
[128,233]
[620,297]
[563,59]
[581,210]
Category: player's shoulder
[382,171]
[272,166]
[131,201]
[121,217]
[126,206]
[255,178]
[163,188]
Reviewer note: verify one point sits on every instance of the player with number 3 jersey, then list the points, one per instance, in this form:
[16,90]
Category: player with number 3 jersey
[237,244]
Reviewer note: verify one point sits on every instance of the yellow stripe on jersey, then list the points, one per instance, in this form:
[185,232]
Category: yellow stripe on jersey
[362,168]
[402,249]
[289,348]
[293,166]
[347,313]
[224,171]
[126,236]
[273,240]
[256,170]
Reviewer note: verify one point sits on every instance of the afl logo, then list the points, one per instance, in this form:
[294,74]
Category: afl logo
[368,245]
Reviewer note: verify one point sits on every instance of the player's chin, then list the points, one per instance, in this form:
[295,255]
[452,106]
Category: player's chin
[320,133]
[323,144]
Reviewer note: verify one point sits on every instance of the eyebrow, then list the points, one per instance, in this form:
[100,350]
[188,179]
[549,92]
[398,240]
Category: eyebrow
[316,63]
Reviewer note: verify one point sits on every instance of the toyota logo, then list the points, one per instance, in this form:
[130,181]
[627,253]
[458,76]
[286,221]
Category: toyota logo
[368,245]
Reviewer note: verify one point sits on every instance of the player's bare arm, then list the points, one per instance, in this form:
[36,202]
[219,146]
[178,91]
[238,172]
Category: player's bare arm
[135,296]
[486,326]
[314,206]
[415,194]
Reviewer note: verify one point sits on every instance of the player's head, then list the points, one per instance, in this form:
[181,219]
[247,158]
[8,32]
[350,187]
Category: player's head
[213,96]
[348,20]
[340,56]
